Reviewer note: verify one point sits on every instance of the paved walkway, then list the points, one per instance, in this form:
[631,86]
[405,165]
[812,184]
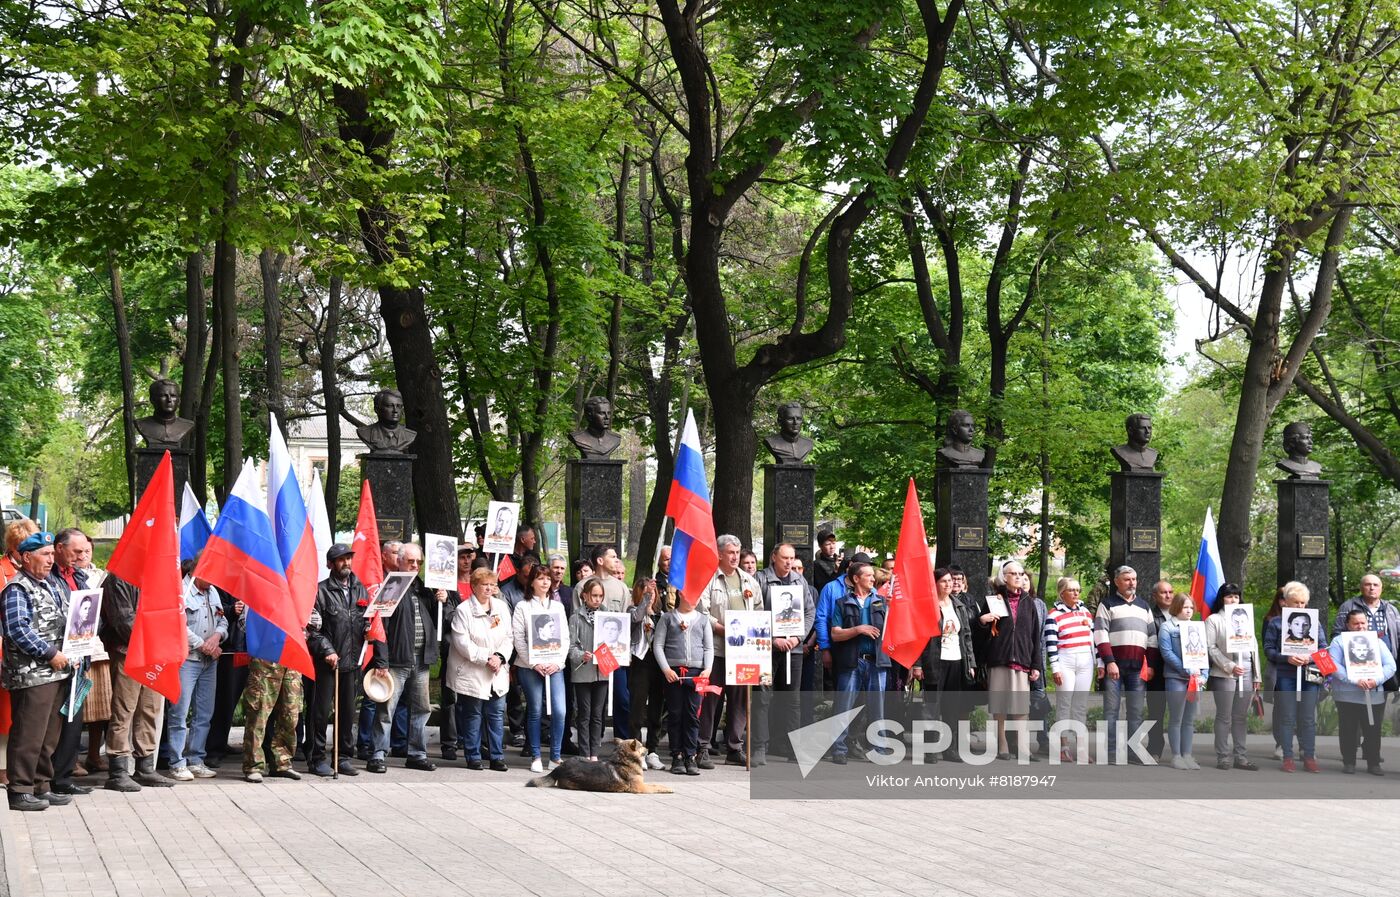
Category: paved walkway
[478,833]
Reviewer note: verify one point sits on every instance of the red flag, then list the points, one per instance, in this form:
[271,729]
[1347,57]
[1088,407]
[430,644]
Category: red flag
[505,569]
[376,634]
[368,563]
[607,663]
[148,557]
[912,618]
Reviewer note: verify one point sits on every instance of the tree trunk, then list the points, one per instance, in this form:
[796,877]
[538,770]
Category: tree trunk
[406,328]
[736,445]
[199,465]
[226,272]
[196,334]
[35,492]
[330,394]
[226,298]
[270,267]
[123,334]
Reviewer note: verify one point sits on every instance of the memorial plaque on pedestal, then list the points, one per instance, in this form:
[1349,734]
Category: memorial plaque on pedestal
[148,459]
[1135,526]
[789,508]
[593,505]
[1303,519]
[961,524]
[390,479]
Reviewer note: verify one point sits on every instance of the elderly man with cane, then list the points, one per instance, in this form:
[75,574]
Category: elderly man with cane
[335,638]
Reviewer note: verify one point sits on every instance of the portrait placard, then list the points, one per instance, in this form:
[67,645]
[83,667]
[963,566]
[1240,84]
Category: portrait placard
[1194,655]
[386,600]
[80,632]
[1299,638]
[500,527]
[748,647]
[440,567]
[996,605]
[545,630]
[787,602]
[1363,654]
[615,631]
[1239,628]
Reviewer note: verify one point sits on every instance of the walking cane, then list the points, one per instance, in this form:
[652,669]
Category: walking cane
[335,726]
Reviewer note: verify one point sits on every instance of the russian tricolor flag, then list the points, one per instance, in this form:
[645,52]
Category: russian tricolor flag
[194,526]
[694,554]
[243,559]
[1210,573]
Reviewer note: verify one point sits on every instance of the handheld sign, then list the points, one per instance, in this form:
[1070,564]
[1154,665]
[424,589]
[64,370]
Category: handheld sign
[787,611]
[1363,654]
[500,527]
[1194,655]
[80,632]
[391,593]
[440,568]
[1299,637]
[748,651]
[613,630]
[996,605]
[1239,628]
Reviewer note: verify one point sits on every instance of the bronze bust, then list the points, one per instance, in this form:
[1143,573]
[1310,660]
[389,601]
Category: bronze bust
[1298,443]
[596,442]
[1135,456]
[958,450]
[386,436]
[164,429]
[788,445]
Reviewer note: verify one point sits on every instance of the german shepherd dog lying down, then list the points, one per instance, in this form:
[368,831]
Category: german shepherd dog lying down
[620,774]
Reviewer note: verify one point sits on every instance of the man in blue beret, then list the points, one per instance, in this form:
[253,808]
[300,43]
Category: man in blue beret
[35,672]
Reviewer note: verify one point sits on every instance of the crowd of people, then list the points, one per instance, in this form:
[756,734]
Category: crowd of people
[1003,649]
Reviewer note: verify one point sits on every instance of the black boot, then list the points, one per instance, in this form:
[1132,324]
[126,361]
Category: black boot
[146,774]
[119,775]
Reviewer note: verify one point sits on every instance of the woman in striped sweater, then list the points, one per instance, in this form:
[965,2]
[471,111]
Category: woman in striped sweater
[1069,651]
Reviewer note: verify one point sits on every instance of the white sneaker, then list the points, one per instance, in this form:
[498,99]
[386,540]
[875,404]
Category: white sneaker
[181,774]
[1192,764]
[201,771]
[653,761]
[553,765]
[1278,752]
[536,765]
[253,776]
[1180,763]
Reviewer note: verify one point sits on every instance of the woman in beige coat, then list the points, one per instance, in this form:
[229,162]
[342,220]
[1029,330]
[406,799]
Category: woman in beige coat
[478,669]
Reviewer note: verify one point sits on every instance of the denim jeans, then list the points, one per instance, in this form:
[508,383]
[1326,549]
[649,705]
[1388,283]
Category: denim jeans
[533,683]
[866,676]
[411,687]
[622,707]
[1129,680]
[1182,726]
[185,741]
[469,713]
[1295,715]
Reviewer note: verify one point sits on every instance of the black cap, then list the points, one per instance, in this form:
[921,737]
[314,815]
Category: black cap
[825,535]
[338,550]
[860,557]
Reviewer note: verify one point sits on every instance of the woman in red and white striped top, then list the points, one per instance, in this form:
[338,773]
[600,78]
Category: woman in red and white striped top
[1069,651]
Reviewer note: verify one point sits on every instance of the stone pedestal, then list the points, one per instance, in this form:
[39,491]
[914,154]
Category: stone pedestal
[148,459]
[593,505]
[789,510]
[961,525]
[1135,527]
[390,479]
[1303,547]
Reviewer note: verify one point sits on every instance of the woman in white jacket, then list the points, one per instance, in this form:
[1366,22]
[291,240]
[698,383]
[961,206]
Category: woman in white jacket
[478,668]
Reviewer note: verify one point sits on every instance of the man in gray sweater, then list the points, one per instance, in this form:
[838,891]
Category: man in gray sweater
[685,650]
